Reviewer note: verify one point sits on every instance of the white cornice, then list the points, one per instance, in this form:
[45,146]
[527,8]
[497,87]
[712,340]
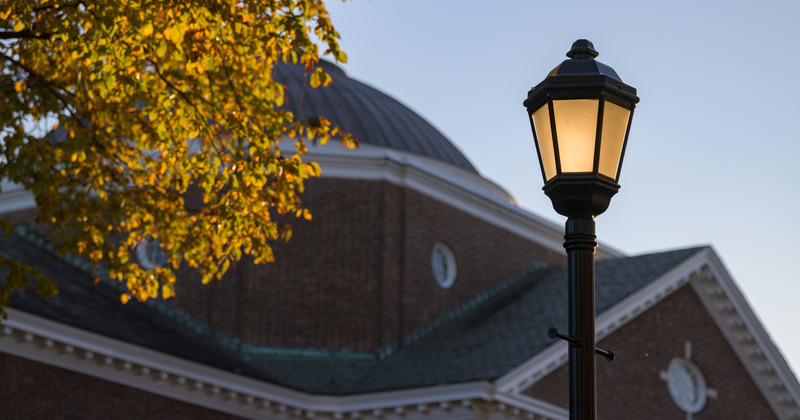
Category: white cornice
[14,198]
[458,188]
[748,338]
[52,343]
[708,277]
[543,410]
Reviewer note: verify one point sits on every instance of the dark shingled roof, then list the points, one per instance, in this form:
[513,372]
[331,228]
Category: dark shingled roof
[97,308]
[367,113]
[482,340]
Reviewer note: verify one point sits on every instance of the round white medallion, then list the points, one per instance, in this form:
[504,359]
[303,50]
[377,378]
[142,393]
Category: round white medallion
[686,384]
[150,254]
[443,264]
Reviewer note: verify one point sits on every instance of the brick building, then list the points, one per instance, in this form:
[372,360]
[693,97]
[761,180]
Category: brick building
[418,291]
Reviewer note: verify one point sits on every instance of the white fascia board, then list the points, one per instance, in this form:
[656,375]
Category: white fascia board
[406,398]
[341,162]
[52,343]
[15,197]
[541,408]
[451,185]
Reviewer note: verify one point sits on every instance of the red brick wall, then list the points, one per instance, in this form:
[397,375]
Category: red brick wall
[485,255]
[32,390]
[630,386]
[358,275]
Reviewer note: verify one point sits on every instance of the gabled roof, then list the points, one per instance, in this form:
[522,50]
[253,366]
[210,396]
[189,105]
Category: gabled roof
[481,341]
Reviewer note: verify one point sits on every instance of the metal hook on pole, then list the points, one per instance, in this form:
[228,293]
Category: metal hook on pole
[553,333]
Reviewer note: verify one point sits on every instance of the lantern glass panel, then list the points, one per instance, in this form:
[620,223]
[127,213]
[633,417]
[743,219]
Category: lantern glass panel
[576,132]
[615,124]
[541,120]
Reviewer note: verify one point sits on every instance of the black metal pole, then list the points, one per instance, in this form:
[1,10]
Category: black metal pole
[580,243]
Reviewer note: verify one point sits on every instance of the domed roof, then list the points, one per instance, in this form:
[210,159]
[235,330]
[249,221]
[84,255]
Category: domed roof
[367,113]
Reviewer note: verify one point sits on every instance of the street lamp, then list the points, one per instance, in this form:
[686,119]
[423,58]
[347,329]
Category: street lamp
[581,116]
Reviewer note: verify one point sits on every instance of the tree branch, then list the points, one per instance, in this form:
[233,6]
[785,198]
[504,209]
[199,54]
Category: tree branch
[56,91]
[25,34]
[58,6]
[181,93]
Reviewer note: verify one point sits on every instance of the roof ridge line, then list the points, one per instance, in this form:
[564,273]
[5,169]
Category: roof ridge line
[306,352]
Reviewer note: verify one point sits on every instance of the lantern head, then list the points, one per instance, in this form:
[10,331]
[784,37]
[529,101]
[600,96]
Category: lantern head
[580,116]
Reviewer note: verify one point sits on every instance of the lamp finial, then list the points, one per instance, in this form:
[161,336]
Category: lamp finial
[582,49]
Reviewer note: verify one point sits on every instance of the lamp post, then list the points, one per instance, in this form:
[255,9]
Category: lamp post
[580,116]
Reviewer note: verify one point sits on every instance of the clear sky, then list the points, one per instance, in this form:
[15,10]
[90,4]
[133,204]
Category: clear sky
[713,153]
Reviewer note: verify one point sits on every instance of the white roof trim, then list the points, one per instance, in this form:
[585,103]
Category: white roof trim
[532,405]
[727,306]
[748,338]
[14,198]
[49,342]
[451,185]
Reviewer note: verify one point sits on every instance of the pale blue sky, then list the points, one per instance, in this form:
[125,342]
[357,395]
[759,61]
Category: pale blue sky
[712,154]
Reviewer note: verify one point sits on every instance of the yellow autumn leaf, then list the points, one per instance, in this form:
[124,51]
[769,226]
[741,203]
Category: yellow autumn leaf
[147,29]
[129,68]
[175,33]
